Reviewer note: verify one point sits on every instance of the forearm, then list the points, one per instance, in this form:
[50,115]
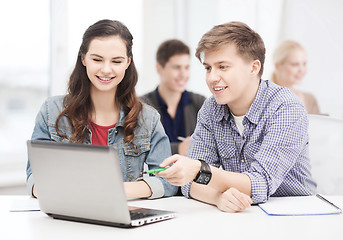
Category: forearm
[232,200]
[185,170]
[222,180]
[139,189]
[204,193]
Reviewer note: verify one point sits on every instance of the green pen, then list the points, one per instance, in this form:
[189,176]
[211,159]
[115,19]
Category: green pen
[154,170]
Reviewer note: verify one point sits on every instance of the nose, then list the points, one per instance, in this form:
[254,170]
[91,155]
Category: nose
[184,73]
[213,76]
[303,68]
[106,68]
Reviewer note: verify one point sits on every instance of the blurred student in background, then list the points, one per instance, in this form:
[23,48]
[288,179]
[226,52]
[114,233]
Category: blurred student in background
[101,108]
[290,68]
[178,108]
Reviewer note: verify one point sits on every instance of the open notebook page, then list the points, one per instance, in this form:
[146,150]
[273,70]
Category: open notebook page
[298,205]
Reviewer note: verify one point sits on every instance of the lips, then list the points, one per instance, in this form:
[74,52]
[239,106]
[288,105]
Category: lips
[218,89]
[181,83]
[105,79]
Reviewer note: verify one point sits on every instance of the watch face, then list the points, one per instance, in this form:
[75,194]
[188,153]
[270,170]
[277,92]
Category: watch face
[204,178]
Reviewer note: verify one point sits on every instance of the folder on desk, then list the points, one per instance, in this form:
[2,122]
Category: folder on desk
[299,206]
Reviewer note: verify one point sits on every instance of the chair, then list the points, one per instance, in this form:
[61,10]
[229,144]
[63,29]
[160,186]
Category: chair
[326,153]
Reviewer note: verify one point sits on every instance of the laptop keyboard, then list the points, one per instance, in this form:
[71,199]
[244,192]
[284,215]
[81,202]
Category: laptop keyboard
[138,215]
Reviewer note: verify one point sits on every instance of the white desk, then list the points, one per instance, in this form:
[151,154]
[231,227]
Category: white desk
[195,220]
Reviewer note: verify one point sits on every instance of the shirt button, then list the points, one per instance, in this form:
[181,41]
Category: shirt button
[242,160]
[116,131]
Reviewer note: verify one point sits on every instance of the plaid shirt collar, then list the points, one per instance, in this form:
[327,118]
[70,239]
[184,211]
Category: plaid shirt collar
[222,111]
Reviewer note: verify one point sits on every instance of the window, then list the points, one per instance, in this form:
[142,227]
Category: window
[24,80]
[39,45]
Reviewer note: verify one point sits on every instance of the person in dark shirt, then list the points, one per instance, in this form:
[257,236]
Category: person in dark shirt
[178,108]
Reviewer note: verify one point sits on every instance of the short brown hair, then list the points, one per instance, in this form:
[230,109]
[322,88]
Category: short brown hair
[249,43]
[168,49]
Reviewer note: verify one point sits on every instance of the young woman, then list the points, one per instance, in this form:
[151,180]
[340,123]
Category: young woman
[290,68]
[101,107]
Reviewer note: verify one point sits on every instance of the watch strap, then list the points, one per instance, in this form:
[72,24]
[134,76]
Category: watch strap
[204,175]
[204,166]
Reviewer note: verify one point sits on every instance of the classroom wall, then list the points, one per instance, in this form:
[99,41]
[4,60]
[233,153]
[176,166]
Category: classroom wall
[313,23]
[316,24]
[26,74]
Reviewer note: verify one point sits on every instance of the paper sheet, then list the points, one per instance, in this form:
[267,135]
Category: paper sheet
[25,205]
[298,205]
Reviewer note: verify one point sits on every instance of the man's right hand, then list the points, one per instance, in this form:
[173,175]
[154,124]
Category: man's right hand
[182,171]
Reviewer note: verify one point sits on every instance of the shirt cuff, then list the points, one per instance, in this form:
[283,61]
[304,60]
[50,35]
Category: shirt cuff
[186,189]
[259,189]
[156,187]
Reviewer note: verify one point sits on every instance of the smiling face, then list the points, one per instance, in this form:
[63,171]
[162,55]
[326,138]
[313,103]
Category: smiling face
[106,62]
[231,79]
[175,73]
[293,69]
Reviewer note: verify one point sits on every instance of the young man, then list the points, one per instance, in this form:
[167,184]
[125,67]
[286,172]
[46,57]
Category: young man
[178,108]
[252,128]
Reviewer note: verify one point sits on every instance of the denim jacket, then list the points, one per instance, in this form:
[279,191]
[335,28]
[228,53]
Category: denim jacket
[151,144]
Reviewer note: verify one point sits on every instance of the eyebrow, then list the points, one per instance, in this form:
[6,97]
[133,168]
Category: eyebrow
[216,63]
[96,55]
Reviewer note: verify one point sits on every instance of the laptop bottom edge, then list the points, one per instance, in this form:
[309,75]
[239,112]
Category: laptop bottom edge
[134,223]
[90,221]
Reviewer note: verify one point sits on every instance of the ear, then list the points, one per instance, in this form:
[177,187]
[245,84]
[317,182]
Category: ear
[159,68]
[255,67]
[83,60]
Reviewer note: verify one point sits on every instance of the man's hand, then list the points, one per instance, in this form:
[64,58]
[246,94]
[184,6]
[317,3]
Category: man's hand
[233,200]
[182,171]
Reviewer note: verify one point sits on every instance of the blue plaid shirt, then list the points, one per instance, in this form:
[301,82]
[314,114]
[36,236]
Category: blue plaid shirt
[272,151]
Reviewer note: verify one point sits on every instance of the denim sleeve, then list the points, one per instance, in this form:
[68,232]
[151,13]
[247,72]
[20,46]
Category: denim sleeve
[40,132]
[159,150]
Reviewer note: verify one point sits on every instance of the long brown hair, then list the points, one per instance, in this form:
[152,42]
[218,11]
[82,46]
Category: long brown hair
[77,102]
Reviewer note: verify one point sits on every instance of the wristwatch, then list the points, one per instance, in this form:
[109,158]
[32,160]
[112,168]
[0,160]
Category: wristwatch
[204,175]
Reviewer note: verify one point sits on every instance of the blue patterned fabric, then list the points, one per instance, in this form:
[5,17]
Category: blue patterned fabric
[273,149]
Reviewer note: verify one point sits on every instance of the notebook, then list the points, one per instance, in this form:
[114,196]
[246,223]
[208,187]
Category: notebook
[84,183]
[299,206]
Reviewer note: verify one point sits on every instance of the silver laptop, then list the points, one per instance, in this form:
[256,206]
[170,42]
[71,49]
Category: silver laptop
[84,183]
